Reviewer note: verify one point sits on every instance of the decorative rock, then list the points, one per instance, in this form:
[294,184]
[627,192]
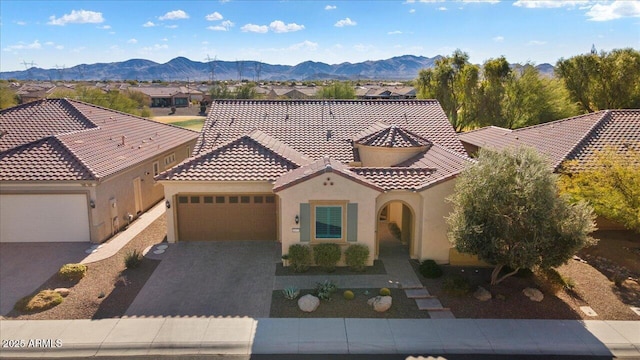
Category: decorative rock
[62,291]
[308,303]
[533,294]
[380,303]
[482,294]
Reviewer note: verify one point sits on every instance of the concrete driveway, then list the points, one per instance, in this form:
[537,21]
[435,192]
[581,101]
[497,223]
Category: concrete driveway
[26,266]
[232,278]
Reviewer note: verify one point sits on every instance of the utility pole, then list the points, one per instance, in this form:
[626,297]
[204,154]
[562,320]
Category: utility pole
[28,67]
[212,68]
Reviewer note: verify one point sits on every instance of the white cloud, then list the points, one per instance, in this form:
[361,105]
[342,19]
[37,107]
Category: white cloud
[132,41]
[59,47]
[214,16]
[442,8]
[538,4]
[305,45]
[482,1]
[330,7]
[255,28]
[148,24]
[49,43]
[345,22]
[174,15]
[79,49]
[155,47]
[77,17]
[363,48]
[278,26]
[174,26]
[412,11]
[22,46]
[224,26]
[498,38]
[105,27]
[615,10]
[536,42]
[397,32]
[21,23]
[164,39]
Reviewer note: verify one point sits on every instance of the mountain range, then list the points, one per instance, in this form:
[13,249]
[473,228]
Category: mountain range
[404,67]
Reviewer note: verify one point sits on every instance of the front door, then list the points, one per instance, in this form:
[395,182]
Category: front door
[137,194]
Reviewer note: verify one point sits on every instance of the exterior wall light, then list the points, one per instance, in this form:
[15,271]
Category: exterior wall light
[297,219]
[168,204]
[92,204]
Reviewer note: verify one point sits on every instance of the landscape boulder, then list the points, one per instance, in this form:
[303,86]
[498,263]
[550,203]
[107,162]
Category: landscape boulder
[308,303]
[482,294]
[380,303]
[533,294]
[62,291]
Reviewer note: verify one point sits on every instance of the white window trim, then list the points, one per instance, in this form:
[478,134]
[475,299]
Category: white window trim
[156,168]
[169,160]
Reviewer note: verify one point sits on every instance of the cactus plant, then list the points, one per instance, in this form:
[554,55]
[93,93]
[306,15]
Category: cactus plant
[290,293]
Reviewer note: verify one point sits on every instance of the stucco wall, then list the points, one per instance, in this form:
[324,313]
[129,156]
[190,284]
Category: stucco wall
[341,190]
[375,156]
[173,188]
[435,244]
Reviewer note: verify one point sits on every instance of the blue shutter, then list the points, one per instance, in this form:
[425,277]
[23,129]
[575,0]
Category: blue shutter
[352,222]
[305,222]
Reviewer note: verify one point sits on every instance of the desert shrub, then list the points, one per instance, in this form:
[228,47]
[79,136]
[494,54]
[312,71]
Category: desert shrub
[385,292]
[348,295]
[300,257]
[430,269]
[72,272]
[44,300]
[456,285]
[356,256]
[291,292]
[552,281]
[327,256]
[325,289]
[395,230]
[132,259]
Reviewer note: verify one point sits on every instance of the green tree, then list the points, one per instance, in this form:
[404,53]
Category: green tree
[609,80]
[128,102]
[453,81]
[246,91]
[496,75]
[338,90]
[610,182]
[508,212]
[8,97]
[220,91]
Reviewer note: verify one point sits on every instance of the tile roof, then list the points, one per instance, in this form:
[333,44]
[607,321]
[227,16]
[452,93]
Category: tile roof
[252,157]
[397,178]
[319,167]
[88,135]
[575,138]
[391,136]
[318,128]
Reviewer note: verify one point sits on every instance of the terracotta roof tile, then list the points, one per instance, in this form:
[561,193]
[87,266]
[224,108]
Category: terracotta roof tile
[397,178]
[318,128]
[243,159]
[391,136]
[575,138]
[90,134]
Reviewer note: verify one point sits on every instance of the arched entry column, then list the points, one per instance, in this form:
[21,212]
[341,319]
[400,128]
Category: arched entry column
[402,208]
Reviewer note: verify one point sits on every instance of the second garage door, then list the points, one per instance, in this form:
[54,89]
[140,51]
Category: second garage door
[226,217]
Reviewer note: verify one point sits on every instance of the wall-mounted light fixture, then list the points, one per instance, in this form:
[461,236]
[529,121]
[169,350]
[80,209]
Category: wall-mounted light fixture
[168,204]
[297,219]
[92,204]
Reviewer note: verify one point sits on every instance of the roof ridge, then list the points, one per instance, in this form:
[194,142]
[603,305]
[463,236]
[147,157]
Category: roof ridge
[301,158]
[76,157]
[606,115]
[559,121]
[487,127]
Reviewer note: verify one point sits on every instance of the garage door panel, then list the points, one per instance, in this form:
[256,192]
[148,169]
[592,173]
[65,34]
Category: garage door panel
[44,218]
[226,217]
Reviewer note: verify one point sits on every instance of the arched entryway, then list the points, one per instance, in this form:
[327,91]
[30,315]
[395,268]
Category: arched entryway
[395,228]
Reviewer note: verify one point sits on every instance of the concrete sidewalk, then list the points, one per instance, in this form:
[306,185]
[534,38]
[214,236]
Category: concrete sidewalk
[247,336]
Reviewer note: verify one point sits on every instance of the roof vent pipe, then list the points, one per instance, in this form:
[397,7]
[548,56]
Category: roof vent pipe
[123,137]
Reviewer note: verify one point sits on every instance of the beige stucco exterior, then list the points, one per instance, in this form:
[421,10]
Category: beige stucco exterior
[376,156]
[319,189]
[435,209]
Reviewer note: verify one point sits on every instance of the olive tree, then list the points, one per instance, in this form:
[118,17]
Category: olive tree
[507,210]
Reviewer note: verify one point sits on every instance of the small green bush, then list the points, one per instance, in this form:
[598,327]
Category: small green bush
[325,289]
[291,292]
[72,272]
[385,292]
[348,295]
[395,230]
[132,259]
[356,256]
[300,257]
[327,256]
[44,300]
[430,269]
[456,285]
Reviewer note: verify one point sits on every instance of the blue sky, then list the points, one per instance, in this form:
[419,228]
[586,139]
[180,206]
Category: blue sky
[60,34]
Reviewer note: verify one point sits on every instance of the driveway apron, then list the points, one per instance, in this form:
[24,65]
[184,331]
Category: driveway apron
[26,266]
[217,278]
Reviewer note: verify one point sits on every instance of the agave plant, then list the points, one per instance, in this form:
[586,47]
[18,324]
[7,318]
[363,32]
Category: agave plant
[291,293]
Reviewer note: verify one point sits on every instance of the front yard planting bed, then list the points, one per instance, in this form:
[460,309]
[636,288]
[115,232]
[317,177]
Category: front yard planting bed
[376,269]
[338,307]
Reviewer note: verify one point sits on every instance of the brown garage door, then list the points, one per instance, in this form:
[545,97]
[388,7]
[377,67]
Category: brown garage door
[226,217]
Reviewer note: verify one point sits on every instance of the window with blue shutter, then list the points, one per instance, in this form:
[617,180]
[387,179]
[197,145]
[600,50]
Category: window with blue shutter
[328,222]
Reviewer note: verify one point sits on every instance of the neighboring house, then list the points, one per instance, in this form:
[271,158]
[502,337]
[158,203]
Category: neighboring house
[34,91]
[375,92]
[315,171]
[165,96]
[292,92]
[72,171]
[576,138]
